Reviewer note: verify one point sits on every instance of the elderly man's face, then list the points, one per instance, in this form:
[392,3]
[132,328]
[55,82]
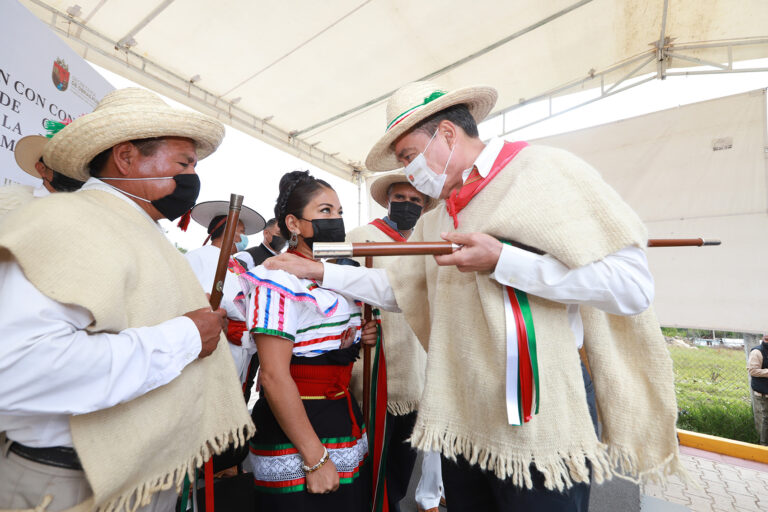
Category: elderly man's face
[173,156]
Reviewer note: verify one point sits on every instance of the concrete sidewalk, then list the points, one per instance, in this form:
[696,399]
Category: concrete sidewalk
[727,484]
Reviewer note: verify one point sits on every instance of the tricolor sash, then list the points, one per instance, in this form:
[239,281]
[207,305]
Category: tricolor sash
[522,381]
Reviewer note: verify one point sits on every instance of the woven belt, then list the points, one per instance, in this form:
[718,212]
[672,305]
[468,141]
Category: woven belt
[59,456]
[325,382]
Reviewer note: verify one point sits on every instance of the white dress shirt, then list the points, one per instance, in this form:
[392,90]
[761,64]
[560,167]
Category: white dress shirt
[40,191]
[620,283]
[204,261]
[51,367]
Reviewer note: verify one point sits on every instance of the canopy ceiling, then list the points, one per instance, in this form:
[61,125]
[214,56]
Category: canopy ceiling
[312,77]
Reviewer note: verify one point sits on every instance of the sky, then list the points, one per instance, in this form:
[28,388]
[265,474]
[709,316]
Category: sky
[247,166]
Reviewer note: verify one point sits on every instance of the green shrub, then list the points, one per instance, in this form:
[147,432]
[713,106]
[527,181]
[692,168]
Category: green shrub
[712,389]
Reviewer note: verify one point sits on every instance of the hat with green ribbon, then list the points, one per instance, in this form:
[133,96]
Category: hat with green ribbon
[29,149]
[417,101]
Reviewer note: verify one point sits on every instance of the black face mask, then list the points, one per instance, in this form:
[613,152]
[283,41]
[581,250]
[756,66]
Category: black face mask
[404,214]
[183,198]
[277,243]
[61,183]
[175,204]
[326,230]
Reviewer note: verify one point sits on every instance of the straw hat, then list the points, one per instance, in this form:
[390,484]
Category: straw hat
[28,151]
[123,115]
[203,214]
[380,187]
[417,101]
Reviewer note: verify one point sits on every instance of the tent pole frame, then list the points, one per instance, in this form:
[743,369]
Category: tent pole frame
[188,92]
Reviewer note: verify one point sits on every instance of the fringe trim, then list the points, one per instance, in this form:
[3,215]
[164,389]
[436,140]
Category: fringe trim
[561,469]
[141,495]
[402,408]
[627,464]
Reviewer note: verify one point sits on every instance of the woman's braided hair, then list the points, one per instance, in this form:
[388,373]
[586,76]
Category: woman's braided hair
[296,190]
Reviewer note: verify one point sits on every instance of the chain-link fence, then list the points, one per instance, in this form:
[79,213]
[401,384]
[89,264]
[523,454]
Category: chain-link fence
[712,383]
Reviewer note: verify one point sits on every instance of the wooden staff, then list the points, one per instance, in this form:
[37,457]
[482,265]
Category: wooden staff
[233,217]
[680,242]
[354,250]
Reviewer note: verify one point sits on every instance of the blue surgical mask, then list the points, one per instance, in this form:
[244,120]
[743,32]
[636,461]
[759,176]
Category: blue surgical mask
[242,244]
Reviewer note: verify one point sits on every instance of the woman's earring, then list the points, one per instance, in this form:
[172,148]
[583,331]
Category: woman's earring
[293,241]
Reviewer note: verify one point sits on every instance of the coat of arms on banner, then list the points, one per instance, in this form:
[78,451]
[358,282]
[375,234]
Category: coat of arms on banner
[60,74]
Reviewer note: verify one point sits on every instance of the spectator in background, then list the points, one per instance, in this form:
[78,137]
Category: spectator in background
[758,380]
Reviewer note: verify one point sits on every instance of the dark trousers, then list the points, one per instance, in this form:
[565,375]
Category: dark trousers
[400,457]
[468,488]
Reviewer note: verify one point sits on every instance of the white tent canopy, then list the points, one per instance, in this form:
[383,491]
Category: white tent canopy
[695,171]
[312,77]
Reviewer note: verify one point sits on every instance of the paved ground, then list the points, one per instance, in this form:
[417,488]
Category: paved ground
[726,484]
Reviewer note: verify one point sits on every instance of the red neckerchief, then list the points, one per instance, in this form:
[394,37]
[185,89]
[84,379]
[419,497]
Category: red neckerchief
[297,253]
[475,183]
[387,230]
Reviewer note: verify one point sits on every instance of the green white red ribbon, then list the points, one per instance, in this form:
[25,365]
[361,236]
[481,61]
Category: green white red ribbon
[432,97]
[522,380]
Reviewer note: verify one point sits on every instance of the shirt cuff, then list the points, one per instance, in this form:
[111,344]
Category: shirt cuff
[183,339]
[332,276]
[514,263]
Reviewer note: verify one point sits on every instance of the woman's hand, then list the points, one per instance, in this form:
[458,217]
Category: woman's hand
[302,268]
[323,481]
[369,334]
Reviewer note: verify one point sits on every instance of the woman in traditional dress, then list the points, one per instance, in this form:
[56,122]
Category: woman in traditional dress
[310,444]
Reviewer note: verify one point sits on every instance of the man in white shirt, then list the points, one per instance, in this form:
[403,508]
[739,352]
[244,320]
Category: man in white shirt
[75,345]
[203,260]
[477,308]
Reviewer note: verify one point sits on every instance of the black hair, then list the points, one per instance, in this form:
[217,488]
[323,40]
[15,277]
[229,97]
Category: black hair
[457,114]
[214,231]
[271,222]
[61,182]
[296,190]
[147,147]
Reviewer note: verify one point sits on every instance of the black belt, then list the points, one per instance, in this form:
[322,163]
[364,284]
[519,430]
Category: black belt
[59,456]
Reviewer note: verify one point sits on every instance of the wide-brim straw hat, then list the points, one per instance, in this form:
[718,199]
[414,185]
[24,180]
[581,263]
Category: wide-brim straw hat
[417,101]
[123,115]
[380,189]
[203,214]
[28,151]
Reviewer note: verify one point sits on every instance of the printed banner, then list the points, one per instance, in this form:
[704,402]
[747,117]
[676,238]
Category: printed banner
[41,78]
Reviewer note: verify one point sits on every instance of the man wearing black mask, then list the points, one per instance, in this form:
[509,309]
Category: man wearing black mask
[110,347]
[406,359]
[272,244]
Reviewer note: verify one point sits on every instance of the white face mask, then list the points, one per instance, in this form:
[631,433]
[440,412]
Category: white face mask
[424,179]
